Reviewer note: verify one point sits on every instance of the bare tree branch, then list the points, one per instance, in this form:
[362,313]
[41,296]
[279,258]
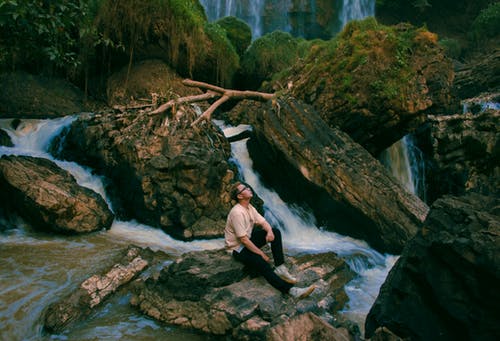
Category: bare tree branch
[212,91]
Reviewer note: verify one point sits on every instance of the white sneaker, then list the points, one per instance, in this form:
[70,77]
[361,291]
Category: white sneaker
[282,271]
[301,292]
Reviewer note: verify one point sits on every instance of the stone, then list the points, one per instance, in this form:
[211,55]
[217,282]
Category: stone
[445,284]
[209,291]
[93,291]
[463,153]
[164,173]
[49,197]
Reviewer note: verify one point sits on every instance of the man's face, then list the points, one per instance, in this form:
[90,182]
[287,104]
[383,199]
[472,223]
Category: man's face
[244,192]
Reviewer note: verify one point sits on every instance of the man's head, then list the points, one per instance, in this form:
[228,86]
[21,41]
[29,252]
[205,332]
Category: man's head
[241,190]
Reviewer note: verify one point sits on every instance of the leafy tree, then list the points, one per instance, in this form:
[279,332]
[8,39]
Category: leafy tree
[41,36]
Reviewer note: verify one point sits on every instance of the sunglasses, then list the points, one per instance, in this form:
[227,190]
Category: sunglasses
[244,188]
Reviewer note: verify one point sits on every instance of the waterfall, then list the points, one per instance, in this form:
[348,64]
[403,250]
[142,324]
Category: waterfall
[356,10]
[223,8]
[405,162]
[39,266]
[302,235]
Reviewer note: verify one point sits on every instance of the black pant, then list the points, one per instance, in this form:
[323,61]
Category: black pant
[256,263]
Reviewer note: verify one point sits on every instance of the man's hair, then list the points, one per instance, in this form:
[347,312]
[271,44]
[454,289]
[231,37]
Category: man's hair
[234,190]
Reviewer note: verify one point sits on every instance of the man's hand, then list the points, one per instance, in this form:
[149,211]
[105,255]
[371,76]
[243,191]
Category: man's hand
[269,236]
[265,257]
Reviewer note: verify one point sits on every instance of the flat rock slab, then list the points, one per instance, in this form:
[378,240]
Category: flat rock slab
[211,292]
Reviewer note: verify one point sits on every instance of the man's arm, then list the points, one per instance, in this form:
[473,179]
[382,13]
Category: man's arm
[269,230]
[252,247]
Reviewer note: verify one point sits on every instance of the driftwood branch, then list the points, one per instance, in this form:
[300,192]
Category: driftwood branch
[212,91]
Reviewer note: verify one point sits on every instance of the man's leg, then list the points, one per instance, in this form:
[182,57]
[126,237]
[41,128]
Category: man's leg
[256,262]
[259,239]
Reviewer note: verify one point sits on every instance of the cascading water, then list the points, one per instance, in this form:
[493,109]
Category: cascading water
[405,162]
[302,13]
[302,235]
[251,14]
[36,266]
[356,10]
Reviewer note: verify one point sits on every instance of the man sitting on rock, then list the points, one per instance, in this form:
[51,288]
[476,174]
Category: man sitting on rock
[244,242]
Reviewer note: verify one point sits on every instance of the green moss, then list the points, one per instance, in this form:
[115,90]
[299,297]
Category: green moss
[137,24]
[220,61]
[238,32]
[268,55]
[366,60]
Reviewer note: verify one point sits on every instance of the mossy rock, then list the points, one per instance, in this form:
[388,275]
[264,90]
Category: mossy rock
[171,30]
[238,32]
[268,55]
[375,82]
[219,62]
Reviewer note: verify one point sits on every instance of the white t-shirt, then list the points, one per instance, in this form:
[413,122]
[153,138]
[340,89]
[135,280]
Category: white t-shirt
[240,222]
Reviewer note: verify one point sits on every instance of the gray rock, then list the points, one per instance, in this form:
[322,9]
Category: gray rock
[90,294]
[210,292]
[49,196]
[445,284]
[464,152]
[164,173]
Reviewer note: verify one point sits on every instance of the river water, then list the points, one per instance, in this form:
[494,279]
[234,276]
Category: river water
[39,267]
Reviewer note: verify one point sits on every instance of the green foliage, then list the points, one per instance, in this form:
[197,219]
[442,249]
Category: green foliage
[452,47]
[268,55]
[221,61]
[40,35]
[238,32]
[136,24]
[487,23]
[366,54]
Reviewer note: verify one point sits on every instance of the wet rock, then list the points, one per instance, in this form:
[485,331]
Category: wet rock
[164,172]
[445,284]
[308,327]
[30,96]
[96,289]
[5,139]
[209,291]
[480,74]
[49,197]
[309,163]
[464,153]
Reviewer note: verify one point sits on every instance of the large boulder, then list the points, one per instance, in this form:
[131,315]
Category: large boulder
[49,197]
[464,153]
[145,83]
[30,96]
[445,284]
[374,82]
[348,190]
[209,291]
[164,172]
[481,73]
